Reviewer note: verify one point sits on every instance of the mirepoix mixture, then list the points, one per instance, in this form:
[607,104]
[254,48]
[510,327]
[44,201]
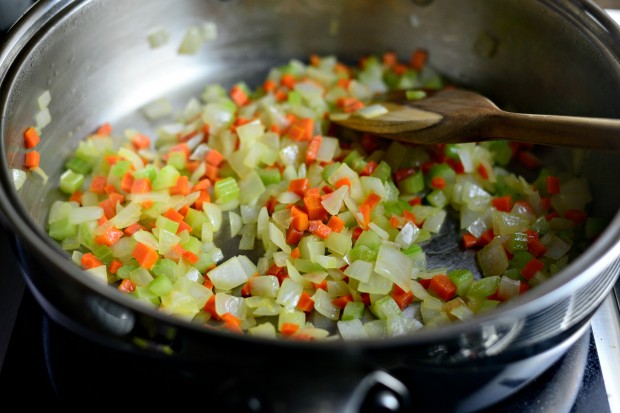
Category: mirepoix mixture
[341,219]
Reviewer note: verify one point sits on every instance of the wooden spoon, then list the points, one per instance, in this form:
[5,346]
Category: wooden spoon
[458,116]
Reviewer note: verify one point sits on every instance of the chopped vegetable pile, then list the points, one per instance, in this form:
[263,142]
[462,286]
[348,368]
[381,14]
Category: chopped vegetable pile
[341,219]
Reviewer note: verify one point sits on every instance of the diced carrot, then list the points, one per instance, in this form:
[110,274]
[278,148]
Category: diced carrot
[531,268]
[315,209]
[403,298]
[301,129]
[110,237]
[140,186]
[442,286]
[305,303]
[342,181]
[299,219]
[127,286]
[98,184]
[335,223]
[111,159]
[202,185]
[183,226]
[536,248]
[502,203]
[31,138]
[181,187]
[114,266]
[173,215]
[293,236]
[126,182]
[313,148]
[357,231]
[299,186]
[231,322]
[553,185]
[349,104]
[76,197]
[203,198]
[415,201]
[109,204]
[209,307]
[295,253]
[403,173]
[438,182]
[133,228]
[104,130]
[371,200]
[89,260]
[409,216]
[389,58]
[369,168]
[288,80]
[486,237]
[269,85]
[214,157]
[342,301]
[213,172]
[319,229]
[141,141]
[145,255]
[288,329]
[528,159]
[190,257]
[578,216]
[523,287]
[482,170]
[418,59]
[469,240]
[32,159]
[239,96]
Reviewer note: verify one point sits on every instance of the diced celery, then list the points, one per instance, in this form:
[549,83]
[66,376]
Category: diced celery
[362,252]
[385,307]
[329,170]
[160,286]
[79,165]
[166,178]
[382,171]
[120,168]
[516,242]
[462,279]
[269,176]
[103,253]
[165,267]
[226,190]
[177,159]
[70,181]
[148,172]
[352,310]
[165,223]
[484,287]
[62,229]
[412,184]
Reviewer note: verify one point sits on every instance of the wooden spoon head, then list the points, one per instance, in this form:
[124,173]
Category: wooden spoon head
[447,116]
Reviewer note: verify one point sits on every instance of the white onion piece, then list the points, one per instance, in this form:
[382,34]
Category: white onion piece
[19,177]
[228,275]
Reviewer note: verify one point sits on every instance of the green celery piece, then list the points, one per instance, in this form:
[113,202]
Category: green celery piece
[441,170]
[269,176]
[79,165]
[353,309]
[396,207]
[355,160]
[382,171]
[362,252]
[70,181]
[166,223]
[484,287]
[145,294]
[104,253]
[541,225]
[412,184]
[513,274]
[125,270]
[164,267]
[478,305]
[463,279]
[520,259]
[437,198]
[86,234]
[451,150]
[226,190]
[61,229]
[370,239]
[177,160]
[205,261]
[148,172]
[166,178]
[329,170]
[502,152]
[160,286]
[306,266]
[385,307]
[120,168]
[414,249]
[391,79]
[195,218]
[516,242]
[192,244]
[294,98]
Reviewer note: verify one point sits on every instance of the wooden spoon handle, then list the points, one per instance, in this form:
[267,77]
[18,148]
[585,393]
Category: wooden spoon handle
[592,133]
